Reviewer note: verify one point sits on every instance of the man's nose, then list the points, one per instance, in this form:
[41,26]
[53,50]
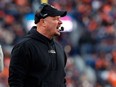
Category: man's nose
[60,22]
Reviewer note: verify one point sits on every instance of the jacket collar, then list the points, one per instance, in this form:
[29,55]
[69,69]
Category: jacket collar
[36,35]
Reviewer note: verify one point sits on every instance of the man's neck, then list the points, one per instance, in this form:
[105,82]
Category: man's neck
[43,32]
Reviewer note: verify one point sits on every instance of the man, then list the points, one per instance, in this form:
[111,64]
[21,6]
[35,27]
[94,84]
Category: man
[38,60]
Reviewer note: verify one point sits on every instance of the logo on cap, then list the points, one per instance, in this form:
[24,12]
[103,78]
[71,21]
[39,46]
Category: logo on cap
[45,15]
[52,6]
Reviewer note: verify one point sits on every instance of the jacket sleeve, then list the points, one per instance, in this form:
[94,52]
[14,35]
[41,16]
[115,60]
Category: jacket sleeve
[65,61]
[18,66]
[65,58]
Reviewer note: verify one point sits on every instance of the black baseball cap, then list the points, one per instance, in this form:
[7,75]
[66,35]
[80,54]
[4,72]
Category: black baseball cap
[46,10]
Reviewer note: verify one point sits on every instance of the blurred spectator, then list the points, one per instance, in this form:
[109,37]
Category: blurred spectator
[112,76]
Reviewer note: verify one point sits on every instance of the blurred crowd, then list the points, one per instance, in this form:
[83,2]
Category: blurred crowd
[90,45]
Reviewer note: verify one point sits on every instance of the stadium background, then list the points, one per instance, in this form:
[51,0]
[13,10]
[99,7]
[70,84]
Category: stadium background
[89,38]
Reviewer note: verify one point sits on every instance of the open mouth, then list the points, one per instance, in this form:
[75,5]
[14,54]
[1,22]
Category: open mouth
[58,28]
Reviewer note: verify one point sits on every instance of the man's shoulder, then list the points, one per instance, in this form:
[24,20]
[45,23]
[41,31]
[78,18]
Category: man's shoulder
[24,40]
[23,43]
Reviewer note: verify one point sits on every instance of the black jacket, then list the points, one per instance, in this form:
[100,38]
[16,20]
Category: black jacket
[34,65]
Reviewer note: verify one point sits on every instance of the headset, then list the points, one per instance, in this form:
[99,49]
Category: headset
[39,11]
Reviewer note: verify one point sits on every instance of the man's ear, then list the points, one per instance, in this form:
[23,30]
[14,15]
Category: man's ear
[43,22]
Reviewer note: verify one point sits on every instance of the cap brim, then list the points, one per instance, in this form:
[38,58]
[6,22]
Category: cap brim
[56,12]
[62,13]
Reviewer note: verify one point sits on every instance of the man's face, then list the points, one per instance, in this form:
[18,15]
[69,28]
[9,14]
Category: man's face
[52,25]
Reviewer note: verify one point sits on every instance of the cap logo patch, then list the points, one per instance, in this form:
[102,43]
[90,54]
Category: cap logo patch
[45,14]
[52,6]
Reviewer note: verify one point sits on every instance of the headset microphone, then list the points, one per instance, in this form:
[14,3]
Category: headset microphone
[61,29]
